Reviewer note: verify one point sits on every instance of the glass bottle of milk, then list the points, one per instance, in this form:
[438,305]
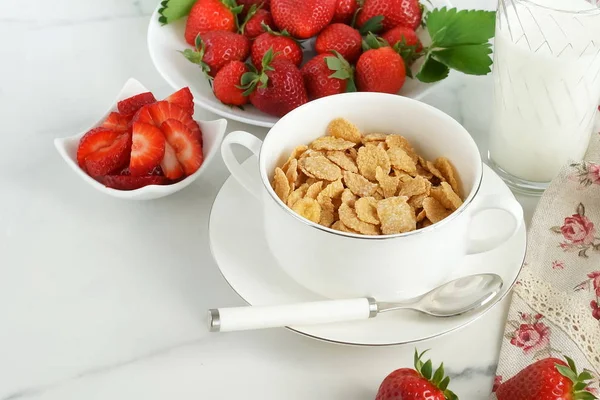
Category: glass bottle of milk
[546,88]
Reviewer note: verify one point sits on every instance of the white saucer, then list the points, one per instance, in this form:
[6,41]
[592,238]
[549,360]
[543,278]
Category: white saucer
[238,245]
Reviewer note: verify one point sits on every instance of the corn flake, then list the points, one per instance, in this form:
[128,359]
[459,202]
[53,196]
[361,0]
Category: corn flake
[374,137]
[396,215]
[327,211]
[415,186]
[348,197]
[401,160]
[366,210]
[342,160]
[448,172]
[339,225]
[314,190]
[331,143]
[320,167]
[281,185]
[333,190]
[359,185]
[296,153]
[387,183]
[416,202]
[350,219]
[297,194]
[292,171]
[308,208]
[352,153]
[434,210]
[369,158]
[344,129]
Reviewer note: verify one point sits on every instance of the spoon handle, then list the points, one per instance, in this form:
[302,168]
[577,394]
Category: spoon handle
[318,312]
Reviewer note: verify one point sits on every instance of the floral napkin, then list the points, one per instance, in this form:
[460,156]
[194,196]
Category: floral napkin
[555,309]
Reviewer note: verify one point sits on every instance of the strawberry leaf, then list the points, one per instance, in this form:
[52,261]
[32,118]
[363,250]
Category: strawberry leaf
[584,376]
[372,25]
[450,27]
[432,71]
[439,375]
[567,372]
[172,10]
[470,59]
[584,396]
[427,370]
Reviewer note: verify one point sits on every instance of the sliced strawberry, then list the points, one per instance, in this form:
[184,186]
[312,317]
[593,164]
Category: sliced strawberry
[110,158]
[162,111]
[130,105]
[142,115]
[187,149]
[116,122]
[170,165]
[184,99]
[147,149]
[126,182]
[94,140]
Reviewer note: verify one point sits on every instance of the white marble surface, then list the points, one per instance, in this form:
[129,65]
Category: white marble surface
[105,299]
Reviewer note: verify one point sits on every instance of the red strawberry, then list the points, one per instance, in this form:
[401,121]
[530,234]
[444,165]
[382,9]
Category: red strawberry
[211,15]
[400,33]
[227,82]
[247,4]
[116,122]
[344,11]
[110,158]
[303,18]
[184,99]
[94,140]
[126,182]
[278,89]
[253,25]
[547,379]
[129,106]
[162,111]
[147,149]
[342,38]
[187,149]
[217,48]
[380,69]
[394,12]
[283,46]
[418,384]
[327,74]
[142,115]
[170,165]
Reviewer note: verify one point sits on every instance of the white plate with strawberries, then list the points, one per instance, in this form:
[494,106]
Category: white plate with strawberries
[143,148]
[220,50]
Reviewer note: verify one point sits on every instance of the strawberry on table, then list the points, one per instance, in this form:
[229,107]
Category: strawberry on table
[278,88]
[94,140]
[129,106]
[226,84]
[547,379]
[183,98]
[187,149]
[416,384]
[162,111]
[344,11]
[404,35]
[211,15]
[282,44]
[253,24]
[215,49]
[342,38]
[327,74]
[394,12]
[303,18]
[380,69]
[111,158]
[147,149]
[116,122]
[127,182]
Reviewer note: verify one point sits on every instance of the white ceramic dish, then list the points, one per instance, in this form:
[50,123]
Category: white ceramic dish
[212,134]
[238,244]
[165,42]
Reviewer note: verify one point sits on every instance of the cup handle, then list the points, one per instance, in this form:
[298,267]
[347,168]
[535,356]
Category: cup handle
[505,203]
[253,144]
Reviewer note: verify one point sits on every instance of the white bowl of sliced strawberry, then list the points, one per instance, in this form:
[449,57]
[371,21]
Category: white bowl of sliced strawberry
[144,148]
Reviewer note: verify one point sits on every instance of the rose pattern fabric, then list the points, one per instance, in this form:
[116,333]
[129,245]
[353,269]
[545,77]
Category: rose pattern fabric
[558,264]
[586,174]
[530,334]
[579,233]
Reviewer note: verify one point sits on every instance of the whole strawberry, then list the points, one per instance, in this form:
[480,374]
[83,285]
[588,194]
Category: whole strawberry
[342,38]
[226,84]
[278,88]
[400,34]
[303,18]
[380,69]
[215,49]
[282,44]
[327,74]
[344,11]
[547,379]
[420,383]
[256,22]
[394,12]
[211,15]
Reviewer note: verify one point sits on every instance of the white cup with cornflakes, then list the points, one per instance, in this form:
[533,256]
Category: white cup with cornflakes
[340,264]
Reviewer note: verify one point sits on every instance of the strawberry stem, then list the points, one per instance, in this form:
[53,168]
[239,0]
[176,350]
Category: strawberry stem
[196,56]
[342,70]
